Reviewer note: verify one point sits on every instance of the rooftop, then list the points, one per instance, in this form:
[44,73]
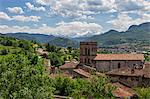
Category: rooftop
[41,51]
[82,72]
[123,91]
[119,57]
[126,71]
[73,64]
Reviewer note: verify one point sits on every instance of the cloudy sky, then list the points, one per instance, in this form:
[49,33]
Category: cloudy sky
[71,18]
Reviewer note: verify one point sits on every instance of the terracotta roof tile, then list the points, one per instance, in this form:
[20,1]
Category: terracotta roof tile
[123,91]
[68,65]
[82,72]
[119,57]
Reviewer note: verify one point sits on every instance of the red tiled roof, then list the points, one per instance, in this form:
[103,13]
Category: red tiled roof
[71,64]
[82,72]
[123,91]
[119,57]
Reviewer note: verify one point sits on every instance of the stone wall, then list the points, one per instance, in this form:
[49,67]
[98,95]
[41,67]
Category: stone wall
[131,81]
[104,66]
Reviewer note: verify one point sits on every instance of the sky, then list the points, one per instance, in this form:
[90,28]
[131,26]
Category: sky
[71,18]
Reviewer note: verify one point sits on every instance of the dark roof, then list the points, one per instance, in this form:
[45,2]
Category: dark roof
[119,57]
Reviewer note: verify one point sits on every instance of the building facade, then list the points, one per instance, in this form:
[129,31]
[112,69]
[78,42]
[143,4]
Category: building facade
[88,51]
[130,77]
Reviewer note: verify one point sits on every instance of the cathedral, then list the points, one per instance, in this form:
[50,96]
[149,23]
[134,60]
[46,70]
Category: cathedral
[107,62]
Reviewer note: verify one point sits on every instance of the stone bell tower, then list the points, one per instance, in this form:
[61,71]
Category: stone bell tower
[88,51]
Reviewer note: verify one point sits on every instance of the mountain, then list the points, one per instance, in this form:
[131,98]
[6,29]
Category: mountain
[135,34]
[41,38]
[64,42]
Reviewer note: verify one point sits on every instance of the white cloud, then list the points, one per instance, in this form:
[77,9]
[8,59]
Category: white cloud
[4,16]
[133,6]
[71,29]
[43,2]
[26,18]
[32,7]
[22,18]
[123,21]
[16,10]
[83,9]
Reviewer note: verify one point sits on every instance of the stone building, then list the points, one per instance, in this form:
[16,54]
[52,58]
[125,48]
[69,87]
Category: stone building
[132,77]
[107,62]
[88,51]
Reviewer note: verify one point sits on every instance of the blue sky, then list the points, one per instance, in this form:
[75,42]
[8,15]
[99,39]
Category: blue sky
[71,18]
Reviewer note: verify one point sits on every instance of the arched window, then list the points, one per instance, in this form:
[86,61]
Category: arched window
[85,51]
[119,65]
[85,60]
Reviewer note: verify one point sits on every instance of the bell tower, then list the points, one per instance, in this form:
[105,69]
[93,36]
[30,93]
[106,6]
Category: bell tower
[88,51]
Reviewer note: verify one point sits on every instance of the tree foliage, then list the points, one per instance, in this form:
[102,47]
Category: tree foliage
[143,93]
[96,87]
[22,74]
[19,78]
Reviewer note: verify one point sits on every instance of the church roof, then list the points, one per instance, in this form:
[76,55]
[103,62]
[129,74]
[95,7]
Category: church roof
[119,57]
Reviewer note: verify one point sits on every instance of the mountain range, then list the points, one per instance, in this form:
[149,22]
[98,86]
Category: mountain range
[135,34]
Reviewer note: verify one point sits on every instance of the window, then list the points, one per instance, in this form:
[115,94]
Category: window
[85,51]
[85,60]
[88,61]
[119,65]
[88,51]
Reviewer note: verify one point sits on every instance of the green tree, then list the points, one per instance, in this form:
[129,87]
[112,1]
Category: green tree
[51,48]
[4,52]
[69,49]
[55,59]
[143,93]
[19,79]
